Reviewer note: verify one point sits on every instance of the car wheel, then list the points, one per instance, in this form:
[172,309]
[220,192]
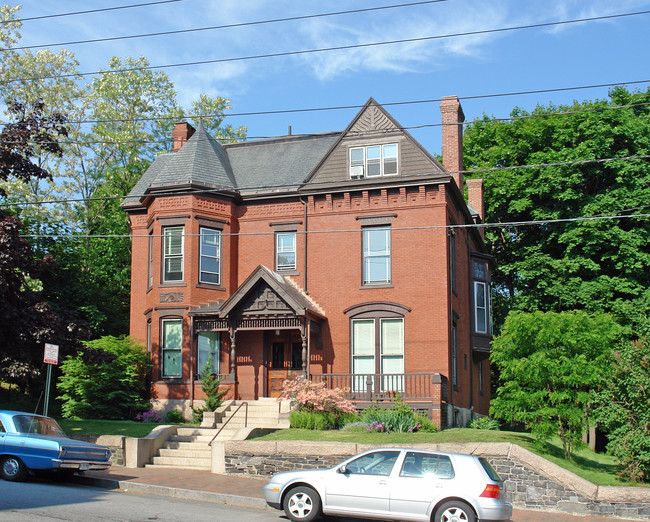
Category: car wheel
[12,468]
[454,511]
[302,504]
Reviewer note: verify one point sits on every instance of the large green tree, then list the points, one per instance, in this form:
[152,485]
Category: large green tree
[550,364]
[594,265]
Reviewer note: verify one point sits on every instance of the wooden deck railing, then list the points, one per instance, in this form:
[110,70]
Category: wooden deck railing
[385,386]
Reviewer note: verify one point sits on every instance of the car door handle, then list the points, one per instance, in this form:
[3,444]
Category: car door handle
[382,482]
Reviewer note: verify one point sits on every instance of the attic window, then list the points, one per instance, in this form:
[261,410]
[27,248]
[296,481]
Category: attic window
[373,161]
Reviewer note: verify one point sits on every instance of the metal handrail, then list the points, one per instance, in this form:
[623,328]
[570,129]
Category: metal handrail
[228,420]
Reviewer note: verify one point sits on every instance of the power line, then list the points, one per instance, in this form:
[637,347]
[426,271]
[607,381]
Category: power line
[227,26]
[43,17]
[508,224]
[329,49]
[365,133]
[324,183]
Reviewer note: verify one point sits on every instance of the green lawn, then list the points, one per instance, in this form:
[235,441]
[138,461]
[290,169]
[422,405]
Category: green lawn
[106,427]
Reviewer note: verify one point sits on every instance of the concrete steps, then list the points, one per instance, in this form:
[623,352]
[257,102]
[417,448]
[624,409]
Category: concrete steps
[188,447]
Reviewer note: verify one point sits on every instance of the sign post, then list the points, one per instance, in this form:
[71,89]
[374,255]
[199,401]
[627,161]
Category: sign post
[50,357]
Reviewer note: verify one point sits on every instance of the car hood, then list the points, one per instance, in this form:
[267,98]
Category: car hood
[292,476]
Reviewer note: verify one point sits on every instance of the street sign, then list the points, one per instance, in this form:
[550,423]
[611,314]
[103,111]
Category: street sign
[51,355]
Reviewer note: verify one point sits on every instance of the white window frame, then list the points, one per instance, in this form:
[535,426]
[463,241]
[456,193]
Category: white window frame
[204,257]
[361,167]
[173,254]
[204,352]
[166,349]
[281,249]
[481,308]
[379,356]
[370,257]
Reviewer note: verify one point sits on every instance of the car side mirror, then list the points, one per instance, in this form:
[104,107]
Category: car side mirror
[342,469]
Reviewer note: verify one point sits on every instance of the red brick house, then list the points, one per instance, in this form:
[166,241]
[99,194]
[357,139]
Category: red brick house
[344,256]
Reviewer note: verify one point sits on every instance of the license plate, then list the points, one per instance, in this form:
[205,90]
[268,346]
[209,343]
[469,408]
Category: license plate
[84,467]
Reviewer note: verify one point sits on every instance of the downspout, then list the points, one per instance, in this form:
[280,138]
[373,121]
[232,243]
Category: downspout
[450,329]
[191,363]
[304,268]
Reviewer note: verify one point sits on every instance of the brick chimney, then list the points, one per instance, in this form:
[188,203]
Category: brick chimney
[182,132]
[452,137]
[475,199]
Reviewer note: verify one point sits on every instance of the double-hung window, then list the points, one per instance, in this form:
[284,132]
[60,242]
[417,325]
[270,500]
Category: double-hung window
[481,298]
[373,161]
[210,256]
[285,251]
[378,348]
[376,255]
[173,254]
[172,342]
[208,348]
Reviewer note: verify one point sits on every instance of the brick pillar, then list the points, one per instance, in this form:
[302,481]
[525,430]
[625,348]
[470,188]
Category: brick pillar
[475,199]
[182,132]
[452,137]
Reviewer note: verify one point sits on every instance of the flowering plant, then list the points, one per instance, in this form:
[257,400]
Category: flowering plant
[149,416]
[316,397]
[379,427]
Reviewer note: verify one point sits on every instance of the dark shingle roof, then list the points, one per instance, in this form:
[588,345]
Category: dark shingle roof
[265,165]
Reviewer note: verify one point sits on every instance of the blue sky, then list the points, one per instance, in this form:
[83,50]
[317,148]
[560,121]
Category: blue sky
[602,52]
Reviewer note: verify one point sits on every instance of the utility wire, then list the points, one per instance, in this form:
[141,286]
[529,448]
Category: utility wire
[507,224]
[43,17]
[329,49]
[324,183]
[66,141]
[227,26]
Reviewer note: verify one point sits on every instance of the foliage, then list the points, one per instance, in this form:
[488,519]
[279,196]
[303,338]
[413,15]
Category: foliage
[174,417]
[106,381]
[592,265]
[550,363]
[210,386]
[400,418]
[355,427]
[313,396]
[623,407]
[319,420]
[483,423]
[150,415]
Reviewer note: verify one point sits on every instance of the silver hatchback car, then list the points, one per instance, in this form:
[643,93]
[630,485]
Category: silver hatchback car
[394,484]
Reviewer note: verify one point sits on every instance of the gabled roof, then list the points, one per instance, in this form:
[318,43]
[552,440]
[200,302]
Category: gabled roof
[294,297]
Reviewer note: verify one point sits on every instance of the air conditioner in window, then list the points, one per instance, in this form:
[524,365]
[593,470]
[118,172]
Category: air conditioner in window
[356,172]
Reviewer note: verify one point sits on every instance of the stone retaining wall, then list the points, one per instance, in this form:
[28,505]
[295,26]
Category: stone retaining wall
[531,482]
[114,442]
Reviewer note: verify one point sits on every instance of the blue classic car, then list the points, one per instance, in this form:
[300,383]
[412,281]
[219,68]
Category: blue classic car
[31,442]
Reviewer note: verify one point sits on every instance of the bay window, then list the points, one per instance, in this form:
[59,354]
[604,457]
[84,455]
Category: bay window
[210,256]
[173,254]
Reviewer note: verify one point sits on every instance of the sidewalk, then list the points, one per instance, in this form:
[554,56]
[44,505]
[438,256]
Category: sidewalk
[240,491]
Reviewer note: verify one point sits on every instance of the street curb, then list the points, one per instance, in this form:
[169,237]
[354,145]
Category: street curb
[163,491]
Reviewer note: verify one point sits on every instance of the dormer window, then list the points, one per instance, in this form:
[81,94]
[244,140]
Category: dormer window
[373,161]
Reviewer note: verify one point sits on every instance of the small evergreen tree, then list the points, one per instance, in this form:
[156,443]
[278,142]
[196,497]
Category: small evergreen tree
[210,386]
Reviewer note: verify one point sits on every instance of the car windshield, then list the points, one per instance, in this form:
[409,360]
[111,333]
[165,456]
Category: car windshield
[34,424]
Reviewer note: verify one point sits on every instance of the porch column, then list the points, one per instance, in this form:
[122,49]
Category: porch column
[303,335]
[233,355]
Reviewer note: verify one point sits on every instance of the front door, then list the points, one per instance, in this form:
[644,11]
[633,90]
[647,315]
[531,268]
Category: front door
[284,362]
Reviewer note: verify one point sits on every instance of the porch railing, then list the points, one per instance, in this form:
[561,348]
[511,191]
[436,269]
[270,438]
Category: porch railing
[386,386]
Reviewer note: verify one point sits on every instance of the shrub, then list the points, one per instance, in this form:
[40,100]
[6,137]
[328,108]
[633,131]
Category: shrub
[149,416]
[174,417]
[483,423]
[312,396]
[106,381]
[319,420]
[356,427]
[400,418]
[210,385]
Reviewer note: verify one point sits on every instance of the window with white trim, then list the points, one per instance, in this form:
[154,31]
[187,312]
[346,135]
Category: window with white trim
[480,307]
[378,348]
[171,347]
[373,161]
[376,255]
[208,350]
[210,256]
[173,254]
[285,251]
